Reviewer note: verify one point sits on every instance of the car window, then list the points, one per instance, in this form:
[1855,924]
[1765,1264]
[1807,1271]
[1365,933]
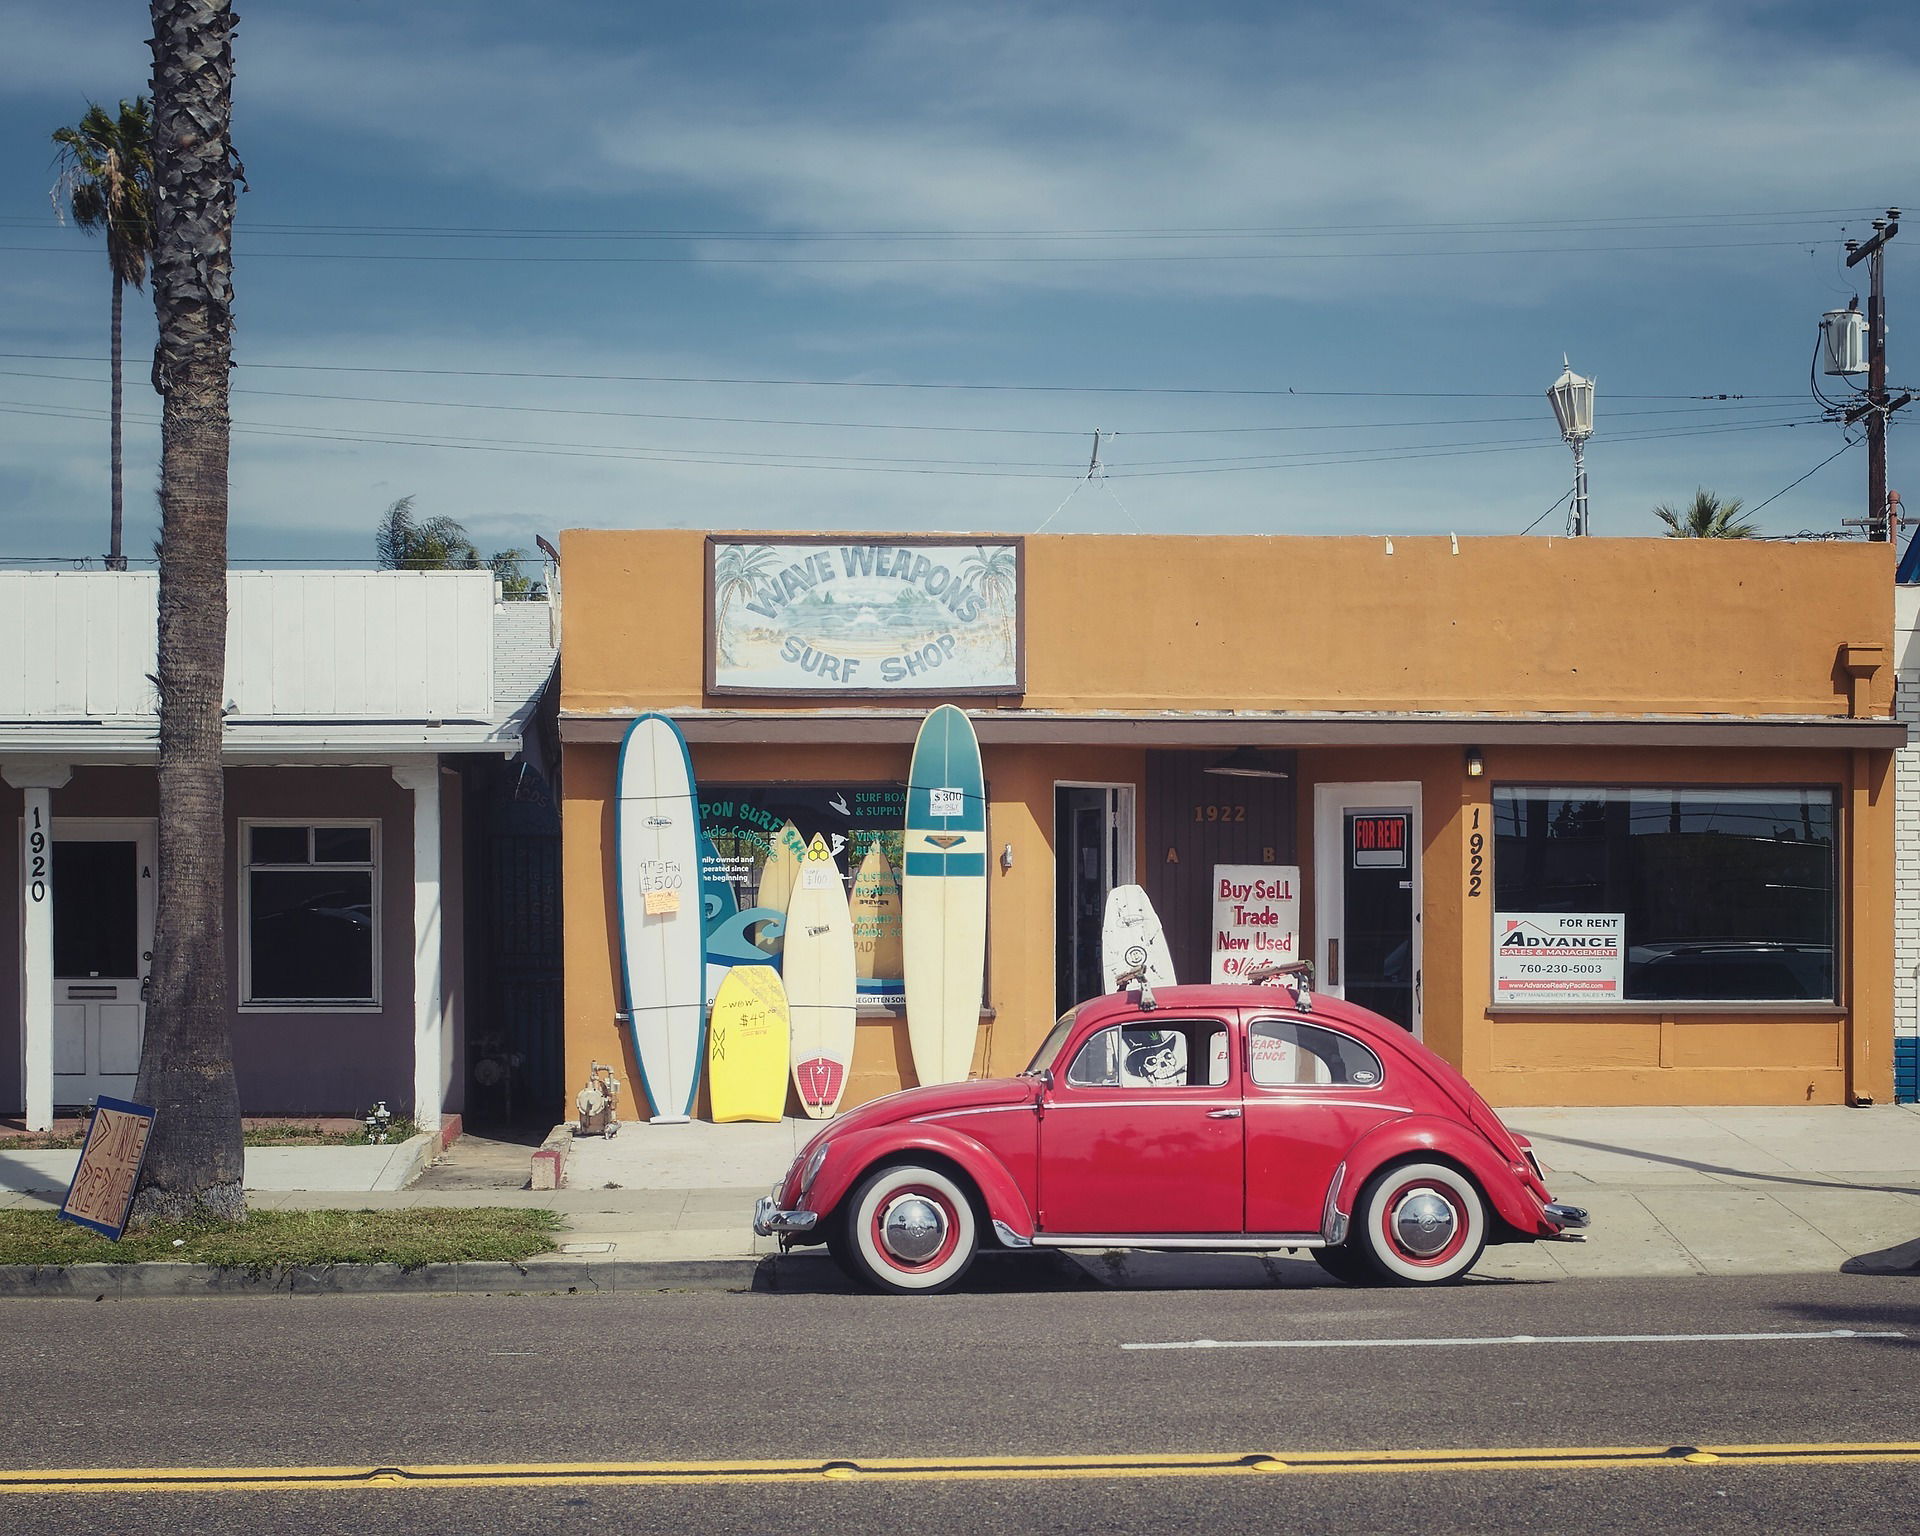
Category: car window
[1288,1053]
[1056,1038]
[1176,1054]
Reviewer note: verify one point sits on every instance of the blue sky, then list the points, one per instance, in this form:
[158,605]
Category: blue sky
[1320,264]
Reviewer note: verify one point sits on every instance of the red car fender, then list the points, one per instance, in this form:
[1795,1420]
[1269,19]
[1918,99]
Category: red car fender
[849,1157]
[1425,1136]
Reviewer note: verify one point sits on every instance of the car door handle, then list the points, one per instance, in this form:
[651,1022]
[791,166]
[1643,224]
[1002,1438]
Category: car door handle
[1223,1114]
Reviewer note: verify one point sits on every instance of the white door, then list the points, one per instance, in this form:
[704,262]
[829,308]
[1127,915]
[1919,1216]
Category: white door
[1092,853]
[1366,897]
[102,951]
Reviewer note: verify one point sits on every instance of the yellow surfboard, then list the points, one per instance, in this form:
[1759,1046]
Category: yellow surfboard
[778,876]
[748,1040]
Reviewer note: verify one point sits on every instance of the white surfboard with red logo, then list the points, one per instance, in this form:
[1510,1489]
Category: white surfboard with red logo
[818,967]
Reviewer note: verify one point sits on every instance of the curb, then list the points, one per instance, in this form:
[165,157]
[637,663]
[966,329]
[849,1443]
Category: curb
[563,1276]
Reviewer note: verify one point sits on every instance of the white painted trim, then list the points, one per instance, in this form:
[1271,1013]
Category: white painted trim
[36,958]
[144,833]
[1330,804]
[429,1025]
[243,912]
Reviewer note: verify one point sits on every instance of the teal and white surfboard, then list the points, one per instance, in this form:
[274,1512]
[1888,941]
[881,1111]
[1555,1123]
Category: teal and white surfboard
[657,869]
[943,897]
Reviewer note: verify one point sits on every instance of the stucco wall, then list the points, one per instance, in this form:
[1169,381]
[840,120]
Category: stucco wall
[1630,626]
[335,1062]
[1610,626]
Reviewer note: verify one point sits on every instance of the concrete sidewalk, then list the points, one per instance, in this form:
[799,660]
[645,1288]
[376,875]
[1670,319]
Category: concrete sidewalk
[1672,1192]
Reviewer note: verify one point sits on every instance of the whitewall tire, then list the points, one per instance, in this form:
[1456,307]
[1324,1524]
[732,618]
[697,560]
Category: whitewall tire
[1420,1224]
[909,1229]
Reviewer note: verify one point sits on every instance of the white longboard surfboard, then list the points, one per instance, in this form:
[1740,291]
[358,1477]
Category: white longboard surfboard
[943,897]
[1131,937]
[778,875]
[818,968]
[657,867]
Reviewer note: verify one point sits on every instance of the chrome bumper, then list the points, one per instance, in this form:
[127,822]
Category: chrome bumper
[1570,1219]
[769,1219]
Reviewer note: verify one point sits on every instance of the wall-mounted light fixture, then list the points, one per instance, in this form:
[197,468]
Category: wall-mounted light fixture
[1006,859]
[1245,763]
[1476,764]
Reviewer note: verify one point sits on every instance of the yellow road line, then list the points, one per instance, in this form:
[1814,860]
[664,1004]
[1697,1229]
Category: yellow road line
[935,1469]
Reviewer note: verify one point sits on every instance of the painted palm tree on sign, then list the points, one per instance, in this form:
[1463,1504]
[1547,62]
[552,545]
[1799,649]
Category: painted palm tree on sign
[106,183]
[193,1165]
[735,567]
[1706,517]
[994,570]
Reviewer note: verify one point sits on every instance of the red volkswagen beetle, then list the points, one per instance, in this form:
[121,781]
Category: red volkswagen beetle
[1203,1117]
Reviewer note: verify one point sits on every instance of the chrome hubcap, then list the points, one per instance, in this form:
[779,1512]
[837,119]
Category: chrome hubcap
[1424,1223]
[913,1228]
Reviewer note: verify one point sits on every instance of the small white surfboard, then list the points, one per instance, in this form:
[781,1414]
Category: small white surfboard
[1130,937]
[818,968]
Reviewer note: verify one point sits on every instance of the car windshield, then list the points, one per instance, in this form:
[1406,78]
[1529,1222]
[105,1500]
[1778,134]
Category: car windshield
[1050,1047]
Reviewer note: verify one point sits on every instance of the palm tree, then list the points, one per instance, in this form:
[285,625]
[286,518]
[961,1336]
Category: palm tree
[194,1160]
[403,542]
[1706,517]
[995,570]
[106,181]
[734,568]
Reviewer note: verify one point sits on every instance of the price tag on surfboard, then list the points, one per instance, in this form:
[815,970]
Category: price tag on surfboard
[660,903]
[946,802]
[819,877]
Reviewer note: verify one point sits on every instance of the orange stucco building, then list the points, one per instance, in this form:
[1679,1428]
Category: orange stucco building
[1447,752]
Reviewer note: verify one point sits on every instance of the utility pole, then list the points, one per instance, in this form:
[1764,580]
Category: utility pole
[1877,407]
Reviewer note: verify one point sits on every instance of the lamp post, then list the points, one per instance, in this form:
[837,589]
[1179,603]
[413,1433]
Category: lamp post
[1572,398]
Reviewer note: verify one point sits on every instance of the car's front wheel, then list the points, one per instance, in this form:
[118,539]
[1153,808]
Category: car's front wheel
[907,1228]
[1420,1224]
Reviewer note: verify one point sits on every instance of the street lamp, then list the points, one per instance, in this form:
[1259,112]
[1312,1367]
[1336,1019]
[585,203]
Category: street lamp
[1572,398]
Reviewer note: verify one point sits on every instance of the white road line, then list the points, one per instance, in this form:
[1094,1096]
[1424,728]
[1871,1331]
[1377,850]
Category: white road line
[1524,1338]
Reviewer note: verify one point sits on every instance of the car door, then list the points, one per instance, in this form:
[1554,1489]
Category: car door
[1140,1133]
[1312,1091]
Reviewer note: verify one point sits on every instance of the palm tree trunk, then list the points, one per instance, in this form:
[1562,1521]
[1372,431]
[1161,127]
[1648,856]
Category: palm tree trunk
[116,561]
[194,1160]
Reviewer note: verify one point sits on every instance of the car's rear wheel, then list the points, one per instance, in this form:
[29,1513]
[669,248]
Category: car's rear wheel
[1420,1224]
[907,1228]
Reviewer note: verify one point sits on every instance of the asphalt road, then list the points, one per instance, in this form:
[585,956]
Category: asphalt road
[1319,1425]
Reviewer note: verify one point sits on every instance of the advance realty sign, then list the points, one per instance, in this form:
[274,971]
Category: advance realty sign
[1558,957]
[832,615]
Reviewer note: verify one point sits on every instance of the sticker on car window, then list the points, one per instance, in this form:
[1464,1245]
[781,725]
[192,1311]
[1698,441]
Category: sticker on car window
[1365,1075]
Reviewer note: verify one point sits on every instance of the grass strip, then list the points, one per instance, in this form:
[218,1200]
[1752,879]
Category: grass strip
[270,1240]
[274,1134]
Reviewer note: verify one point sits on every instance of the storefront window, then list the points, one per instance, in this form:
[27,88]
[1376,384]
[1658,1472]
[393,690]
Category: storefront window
[757,837]
[1724,895]
[309,914]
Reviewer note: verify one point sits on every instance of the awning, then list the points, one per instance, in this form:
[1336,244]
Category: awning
[1222,729]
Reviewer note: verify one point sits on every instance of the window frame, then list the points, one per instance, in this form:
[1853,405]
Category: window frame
[1185,1022]
[373,866]
[1835,1007]
[1377,1085]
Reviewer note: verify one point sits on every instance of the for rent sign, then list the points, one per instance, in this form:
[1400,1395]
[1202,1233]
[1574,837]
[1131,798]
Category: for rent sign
[1256,917]
[1558,957]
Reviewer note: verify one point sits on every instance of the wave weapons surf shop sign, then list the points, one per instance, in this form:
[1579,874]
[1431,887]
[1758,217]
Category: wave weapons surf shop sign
[832,615]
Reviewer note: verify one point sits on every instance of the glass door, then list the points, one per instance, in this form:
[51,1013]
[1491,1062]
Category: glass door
[102,950]
[1092,853]
[1367,897]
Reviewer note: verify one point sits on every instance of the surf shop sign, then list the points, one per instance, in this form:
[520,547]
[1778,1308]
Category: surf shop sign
[840,616]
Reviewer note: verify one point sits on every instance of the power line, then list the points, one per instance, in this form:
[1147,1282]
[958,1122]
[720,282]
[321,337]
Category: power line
[1851,442]
[984,260]
[1048,389]
[1598,224]
[895,426]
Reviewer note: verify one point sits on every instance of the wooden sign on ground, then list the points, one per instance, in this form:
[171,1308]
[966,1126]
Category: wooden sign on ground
[102,1189]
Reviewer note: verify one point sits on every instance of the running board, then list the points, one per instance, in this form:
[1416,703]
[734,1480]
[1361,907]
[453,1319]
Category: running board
[1269,1244]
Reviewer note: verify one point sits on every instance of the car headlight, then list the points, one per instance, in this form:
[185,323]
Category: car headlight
[811,1168]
